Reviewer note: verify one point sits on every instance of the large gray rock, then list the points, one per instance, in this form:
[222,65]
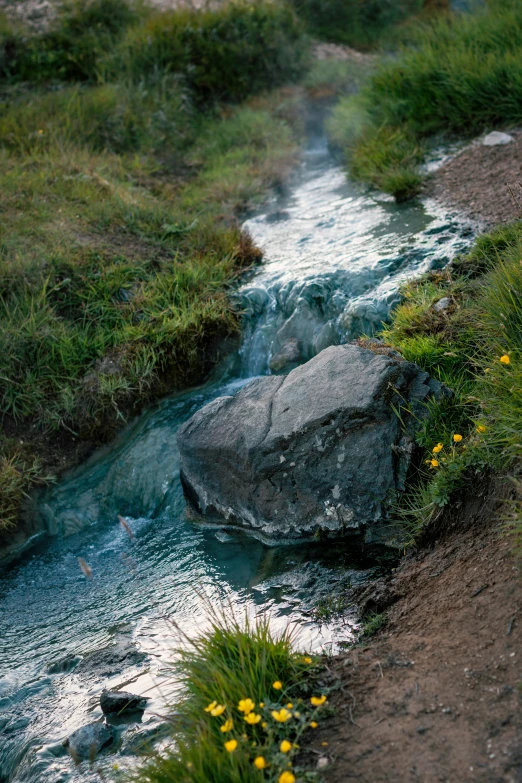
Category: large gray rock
[321,449]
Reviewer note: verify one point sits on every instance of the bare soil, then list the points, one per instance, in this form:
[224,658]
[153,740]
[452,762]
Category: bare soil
[483,182]
[436,695]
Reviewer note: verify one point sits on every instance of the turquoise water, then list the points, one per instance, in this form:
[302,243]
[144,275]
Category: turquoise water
[334,257]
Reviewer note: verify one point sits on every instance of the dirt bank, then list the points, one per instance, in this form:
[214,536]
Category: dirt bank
[435,696]
[484,182]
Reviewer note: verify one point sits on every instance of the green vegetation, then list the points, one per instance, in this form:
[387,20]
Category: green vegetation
[120,201]
[373,624]
[248,698]
[475,347]
[460,74]
[359,24]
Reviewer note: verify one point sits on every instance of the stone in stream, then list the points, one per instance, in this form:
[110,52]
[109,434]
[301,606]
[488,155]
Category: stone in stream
[322,449]
[120,702]
[86,742]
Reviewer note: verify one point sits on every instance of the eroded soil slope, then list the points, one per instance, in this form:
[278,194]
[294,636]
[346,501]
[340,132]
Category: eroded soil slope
[436,696]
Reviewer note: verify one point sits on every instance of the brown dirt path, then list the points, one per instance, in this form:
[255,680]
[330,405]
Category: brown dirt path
[483,182]
[436,696]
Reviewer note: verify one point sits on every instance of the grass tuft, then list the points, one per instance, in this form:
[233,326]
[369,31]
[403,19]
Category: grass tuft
[232,662]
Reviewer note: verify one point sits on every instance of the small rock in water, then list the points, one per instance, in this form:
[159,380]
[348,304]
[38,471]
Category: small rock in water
[64,664]
[495,138]
[86,742]
[290,353]
[442,304]
[121,702]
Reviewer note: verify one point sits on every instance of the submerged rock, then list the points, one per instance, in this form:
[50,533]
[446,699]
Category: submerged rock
[86,742]
[121,703]
[322,449]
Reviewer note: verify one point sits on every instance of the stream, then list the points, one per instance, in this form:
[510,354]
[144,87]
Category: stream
[335,256]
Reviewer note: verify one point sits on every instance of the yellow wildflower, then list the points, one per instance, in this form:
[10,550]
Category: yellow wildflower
[231,745]
[252,718]
[481,429]
[504,359]
[285,746]
[246,706]
[307,659]
[289,705]
[437,448]
[264,724]
[277,685]
[282,716]
[457,438]
[227,726]
[211,706]
[286,777]
[318,700]
[261,704]
[218,710]
[313,724]
[434,463]
[260,762]
[324,744]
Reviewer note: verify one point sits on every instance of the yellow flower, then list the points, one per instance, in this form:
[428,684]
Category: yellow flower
[218,710]
[246,706]
[211,706]
[324,744]
[282,716]
[307,660]
[231,745]
[457,438]
[277,685]
[297,714]
[227,726]
[285,746]
[318,700]
[434,463]
[437,448]
[289,705]
[252,718]
[264,724]
[481,428]
[261,704]
[286,777]
[313,724]
[504,359]
[260,763]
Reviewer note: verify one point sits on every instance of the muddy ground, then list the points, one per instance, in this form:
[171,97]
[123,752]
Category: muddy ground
[435,696]
[483,182]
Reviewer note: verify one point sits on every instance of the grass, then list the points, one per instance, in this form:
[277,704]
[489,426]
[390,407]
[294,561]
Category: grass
[236,661]
[363,25]
[120,235]
[475,347]
[460,75]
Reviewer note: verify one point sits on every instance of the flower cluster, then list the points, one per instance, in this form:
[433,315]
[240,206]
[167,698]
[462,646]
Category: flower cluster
[268,731]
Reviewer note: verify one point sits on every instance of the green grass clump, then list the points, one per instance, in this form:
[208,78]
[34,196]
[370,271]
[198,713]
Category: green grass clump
[461,74]
[359,24]
[225,719]
[475,347]
[227,52]
[223,53]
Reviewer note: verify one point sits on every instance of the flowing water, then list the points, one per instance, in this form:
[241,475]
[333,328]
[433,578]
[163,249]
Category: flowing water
[334,257]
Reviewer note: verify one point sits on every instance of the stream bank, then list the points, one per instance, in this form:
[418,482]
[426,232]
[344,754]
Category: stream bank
[435,696]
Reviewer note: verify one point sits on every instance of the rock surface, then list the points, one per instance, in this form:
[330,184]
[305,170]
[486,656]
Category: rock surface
[120,702]
[86,742]
[321,449]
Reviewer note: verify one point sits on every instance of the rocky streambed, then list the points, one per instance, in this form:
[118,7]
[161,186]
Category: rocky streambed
[88,610]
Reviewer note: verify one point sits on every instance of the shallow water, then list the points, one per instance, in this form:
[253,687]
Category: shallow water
[334,257]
